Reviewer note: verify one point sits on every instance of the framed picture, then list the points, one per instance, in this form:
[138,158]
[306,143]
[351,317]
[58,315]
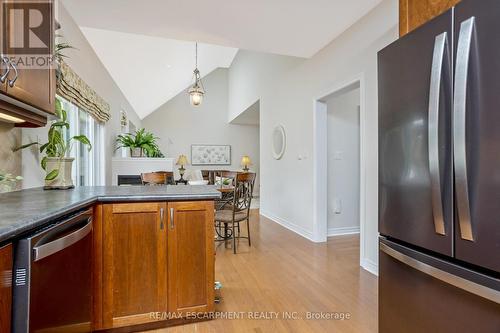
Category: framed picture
[210,154]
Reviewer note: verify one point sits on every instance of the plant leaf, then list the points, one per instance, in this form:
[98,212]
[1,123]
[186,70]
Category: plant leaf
[52,175]
[58,108]
[43,147]
[25,146]
[61,124]
[43,163]
[84,140]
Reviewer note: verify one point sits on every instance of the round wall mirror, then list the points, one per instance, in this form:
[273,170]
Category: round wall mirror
[279,142]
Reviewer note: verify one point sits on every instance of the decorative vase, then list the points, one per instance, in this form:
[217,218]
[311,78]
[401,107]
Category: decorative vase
[136,152]
[64,179]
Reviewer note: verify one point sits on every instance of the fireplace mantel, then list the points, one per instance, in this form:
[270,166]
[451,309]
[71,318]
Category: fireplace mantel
[136,165]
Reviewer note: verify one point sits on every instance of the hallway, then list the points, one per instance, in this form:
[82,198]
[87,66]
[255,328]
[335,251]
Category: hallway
[285,274]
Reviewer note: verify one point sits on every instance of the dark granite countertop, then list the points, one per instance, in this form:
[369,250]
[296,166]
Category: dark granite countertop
[22,211]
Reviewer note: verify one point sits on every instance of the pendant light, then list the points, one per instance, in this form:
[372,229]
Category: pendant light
[196,91]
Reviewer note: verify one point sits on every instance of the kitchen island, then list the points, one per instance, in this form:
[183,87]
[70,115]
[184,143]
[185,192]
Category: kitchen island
[152,253]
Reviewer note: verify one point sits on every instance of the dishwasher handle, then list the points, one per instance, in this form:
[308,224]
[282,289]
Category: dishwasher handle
[45,250]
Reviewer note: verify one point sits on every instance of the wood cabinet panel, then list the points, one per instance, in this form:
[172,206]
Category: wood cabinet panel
[191,257]
[5,287]
[414,13]
[134,278]
[97,268]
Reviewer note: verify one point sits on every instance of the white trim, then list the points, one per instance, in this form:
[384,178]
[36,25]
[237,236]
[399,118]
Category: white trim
[101,156]
[320,172]
[301,231]
[342,231]
[320,188]
[369,266]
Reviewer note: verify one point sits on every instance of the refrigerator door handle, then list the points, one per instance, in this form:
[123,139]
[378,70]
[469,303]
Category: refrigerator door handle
[433,131]
[454,280]
[459,129]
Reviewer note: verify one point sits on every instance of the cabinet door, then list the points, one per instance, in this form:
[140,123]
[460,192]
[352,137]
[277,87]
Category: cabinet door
[191,257]
[134,278]
[5,287]
[35,87]
[414,13]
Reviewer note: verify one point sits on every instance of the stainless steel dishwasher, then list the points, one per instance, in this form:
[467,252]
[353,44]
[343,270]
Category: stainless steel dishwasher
[52,287]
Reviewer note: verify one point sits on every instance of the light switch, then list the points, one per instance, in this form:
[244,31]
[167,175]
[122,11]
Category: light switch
[337,206]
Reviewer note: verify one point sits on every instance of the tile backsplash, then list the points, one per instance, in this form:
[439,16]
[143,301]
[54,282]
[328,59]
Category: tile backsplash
[10,137]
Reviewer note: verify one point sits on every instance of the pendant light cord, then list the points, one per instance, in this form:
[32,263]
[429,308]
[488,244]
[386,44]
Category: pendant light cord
[196,55]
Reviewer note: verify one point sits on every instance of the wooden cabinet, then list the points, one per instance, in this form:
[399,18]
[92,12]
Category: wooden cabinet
[191,257]
[5,287]
[32,89]
[134,263]
[35,87]
[414,13]
[152,257]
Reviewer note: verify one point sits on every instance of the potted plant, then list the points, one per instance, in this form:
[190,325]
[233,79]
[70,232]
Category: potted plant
[56,162]
[8,181]
[140,143]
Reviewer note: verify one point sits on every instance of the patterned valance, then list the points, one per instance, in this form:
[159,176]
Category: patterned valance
[71,87]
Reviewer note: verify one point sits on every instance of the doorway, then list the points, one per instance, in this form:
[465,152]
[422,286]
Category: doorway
[251,118]
[343,161]
[339,162]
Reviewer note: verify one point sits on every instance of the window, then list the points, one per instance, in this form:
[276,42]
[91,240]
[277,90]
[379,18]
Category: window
[88,166]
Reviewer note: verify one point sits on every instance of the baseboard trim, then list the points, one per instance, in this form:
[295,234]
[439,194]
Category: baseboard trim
[301,231]
[369,266]
[342,231]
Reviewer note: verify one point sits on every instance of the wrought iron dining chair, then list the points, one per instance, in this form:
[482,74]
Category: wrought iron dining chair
[221,177]
[239,209]
[209,175]
[157,178]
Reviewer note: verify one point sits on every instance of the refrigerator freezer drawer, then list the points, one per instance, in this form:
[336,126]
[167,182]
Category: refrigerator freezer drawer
[420,293]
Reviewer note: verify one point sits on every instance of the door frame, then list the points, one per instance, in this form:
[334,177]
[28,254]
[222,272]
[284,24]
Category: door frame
[320,188]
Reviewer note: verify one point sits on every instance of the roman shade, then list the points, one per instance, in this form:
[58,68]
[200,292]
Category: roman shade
[71,87]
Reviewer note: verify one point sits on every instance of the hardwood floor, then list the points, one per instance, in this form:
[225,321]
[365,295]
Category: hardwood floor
[283,272]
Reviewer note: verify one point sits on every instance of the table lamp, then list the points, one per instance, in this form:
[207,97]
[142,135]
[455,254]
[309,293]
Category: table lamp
[245,162]
[182,161]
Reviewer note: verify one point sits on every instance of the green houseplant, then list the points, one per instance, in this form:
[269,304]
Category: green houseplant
[140,143]
[56,162]
[8,181]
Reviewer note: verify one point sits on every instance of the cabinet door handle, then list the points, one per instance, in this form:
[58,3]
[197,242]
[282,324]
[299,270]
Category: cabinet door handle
[171,218]
[161,218]
[5,60]
[13,81]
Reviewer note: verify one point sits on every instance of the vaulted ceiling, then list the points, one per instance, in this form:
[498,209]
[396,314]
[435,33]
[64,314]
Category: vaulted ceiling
[148,45]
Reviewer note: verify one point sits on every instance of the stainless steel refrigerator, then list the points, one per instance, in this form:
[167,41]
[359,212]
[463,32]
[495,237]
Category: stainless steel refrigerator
[439,174]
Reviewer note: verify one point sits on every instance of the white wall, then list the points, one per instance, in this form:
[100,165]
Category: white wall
[287,184]
[246,83]
[87,65]
[343,162]
[179,125]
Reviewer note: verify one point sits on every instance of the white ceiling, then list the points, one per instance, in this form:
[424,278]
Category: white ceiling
[289,27]
[137,41]
[151,70]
